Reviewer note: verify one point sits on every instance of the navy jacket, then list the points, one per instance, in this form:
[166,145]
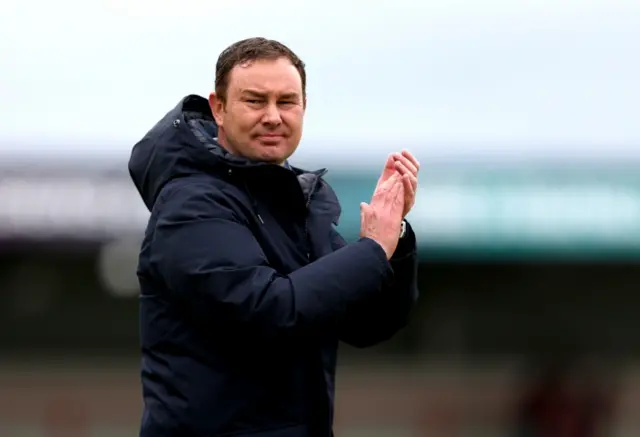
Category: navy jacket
[246,288]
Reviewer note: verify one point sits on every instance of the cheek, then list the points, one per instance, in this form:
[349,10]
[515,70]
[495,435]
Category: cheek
[294,121]
[250,124]
[241,121]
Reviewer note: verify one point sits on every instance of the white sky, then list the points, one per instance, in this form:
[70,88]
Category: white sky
[527,77]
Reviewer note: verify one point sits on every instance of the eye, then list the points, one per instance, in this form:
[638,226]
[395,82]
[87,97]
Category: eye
[253,101]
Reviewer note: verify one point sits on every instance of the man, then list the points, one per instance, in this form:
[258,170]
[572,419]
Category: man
[246,287]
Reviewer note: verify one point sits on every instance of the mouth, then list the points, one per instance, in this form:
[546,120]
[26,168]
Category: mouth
[270,138]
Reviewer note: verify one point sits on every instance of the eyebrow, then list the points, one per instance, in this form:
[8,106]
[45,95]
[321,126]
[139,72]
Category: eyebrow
[256,93]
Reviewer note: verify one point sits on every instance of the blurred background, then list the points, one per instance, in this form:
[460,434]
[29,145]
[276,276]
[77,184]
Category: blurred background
[524,115]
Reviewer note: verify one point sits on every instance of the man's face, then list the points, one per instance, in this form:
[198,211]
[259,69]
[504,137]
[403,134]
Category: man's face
[263,113]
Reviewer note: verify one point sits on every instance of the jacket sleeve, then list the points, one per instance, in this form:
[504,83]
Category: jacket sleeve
[380,316]
[213,266]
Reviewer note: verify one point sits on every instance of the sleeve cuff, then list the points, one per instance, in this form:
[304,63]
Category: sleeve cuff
[406,244]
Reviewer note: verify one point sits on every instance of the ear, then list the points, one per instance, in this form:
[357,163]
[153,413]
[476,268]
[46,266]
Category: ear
[217,108]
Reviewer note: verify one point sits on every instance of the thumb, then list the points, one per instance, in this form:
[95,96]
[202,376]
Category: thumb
[363,208]
[363,213]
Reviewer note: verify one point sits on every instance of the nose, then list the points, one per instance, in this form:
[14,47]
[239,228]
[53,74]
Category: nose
[271,116]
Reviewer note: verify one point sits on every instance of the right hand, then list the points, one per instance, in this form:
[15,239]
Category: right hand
[381,220]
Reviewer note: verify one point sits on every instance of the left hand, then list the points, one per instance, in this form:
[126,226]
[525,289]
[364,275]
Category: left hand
[408,167]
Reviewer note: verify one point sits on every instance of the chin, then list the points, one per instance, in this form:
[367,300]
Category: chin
[279,160]
[273,154]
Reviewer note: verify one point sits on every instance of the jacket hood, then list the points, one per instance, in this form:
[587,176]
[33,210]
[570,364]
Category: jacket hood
[183,142]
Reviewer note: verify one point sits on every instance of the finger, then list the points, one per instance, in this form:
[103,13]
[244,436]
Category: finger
[413,179]
[366,211]
[411,158]
[389,162]
[389,167]
[403,169]
[363,211]
[409,186]
[402,160]
[409,195]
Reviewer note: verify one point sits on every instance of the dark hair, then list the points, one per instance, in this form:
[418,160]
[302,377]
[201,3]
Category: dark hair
[253,49]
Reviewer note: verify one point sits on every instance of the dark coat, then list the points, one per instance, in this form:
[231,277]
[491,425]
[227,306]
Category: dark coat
[246,288]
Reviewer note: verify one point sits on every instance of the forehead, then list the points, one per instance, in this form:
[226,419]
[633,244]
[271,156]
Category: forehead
[277,76]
